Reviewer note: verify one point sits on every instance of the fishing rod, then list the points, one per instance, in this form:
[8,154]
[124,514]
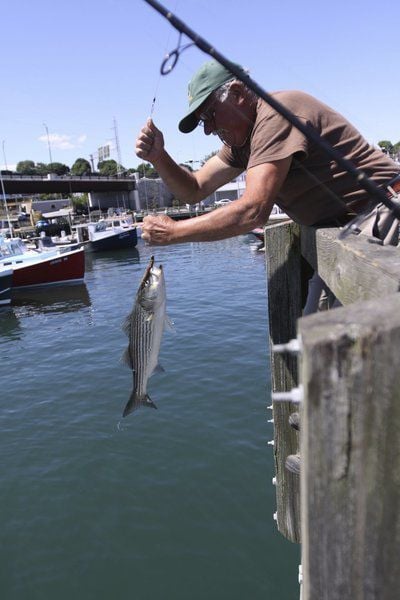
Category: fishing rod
[308,130]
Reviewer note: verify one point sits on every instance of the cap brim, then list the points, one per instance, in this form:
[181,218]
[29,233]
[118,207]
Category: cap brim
[190,121]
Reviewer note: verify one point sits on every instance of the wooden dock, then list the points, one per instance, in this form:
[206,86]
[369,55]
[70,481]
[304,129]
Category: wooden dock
[344,508]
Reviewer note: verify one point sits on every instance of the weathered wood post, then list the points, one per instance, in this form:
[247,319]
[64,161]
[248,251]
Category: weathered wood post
[354,268]
[282,248]
[350,451]
[350,423]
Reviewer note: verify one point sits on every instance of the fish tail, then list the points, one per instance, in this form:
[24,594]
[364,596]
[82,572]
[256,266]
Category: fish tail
[135,401]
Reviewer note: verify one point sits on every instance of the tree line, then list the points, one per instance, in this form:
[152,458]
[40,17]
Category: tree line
[392,150]
[80,168]
[111,168]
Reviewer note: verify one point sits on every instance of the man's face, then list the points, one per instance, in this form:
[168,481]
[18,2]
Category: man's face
[228,118]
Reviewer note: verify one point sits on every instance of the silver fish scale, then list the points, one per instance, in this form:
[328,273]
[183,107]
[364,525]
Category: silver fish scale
[143,330]
[145,326]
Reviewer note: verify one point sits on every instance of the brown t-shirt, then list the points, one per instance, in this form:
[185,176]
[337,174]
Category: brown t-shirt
[316,189]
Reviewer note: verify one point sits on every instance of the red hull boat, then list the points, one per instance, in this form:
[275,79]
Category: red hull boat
[65,267]
[43,266]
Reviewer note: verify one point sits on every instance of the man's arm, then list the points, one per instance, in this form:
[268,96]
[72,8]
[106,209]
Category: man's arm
[186,186]
[191,187]
[252,210]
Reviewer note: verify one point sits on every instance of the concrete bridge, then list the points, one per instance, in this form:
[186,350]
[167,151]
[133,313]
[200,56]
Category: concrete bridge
[103,191]
[66,184]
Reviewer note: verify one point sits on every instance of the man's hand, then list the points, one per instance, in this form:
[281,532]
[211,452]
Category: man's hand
[150,142]
[158,230]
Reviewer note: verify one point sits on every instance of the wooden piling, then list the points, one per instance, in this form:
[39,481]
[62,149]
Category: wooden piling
[350,414]
[282,249]
[350,451]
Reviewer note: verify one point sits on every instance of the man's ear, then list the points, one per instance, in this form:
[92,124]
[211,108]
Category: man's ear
[236,90]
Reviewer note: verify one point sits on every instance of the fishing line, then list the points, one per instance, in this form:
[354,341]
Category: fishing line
[378,194]
[161,73]
[153,103]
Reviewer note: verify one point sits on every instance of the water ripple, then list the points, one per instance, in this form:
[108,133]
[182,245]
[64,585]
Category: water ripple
[167,504]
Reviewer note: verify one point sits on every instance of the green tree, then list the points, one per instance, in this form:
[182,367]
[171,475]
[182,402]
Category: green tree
[147,170]
[396,150]
[386,146]
[26,167]
[57,168]
[80,203]
[81,167]
[41,169]
[109,167]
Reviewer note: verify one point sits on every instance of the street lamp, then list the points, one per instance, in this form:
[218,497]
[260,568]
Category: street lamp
[48,142]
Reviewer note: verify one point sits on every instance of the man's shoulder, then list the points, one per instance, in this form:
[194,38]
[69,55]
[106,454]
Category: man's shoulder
[293,99]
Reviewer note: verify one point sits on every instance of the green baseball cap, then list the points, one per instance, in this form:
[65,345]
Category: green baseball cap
[208,78]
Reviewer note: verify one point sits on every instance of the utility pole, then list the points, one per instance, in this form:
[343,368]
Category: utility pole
[48,142]
[5,204]
[4,155]
[119,165]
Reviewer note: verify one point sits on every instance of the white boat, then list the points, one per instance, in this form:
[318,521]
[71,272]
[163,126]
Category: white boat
[6,275]
[112,233]
[41,266]
[277,215]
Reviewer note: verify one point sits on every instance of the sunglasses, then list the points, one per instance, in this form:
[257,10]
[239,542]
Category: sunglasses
[207,116]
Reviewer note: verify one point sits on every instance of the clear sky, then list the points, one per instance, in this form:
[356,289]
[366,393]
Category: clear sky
[75,66]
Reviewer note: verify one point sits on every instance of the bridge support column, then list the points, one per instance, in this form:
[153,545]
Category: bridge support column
[125,200]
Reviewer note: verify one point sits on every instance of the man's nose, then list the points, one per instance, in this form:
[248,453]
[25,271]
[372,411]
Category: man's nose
[208,127]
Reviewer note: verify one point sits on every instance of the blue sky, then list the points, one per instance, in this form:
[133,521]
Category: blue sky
[75,66]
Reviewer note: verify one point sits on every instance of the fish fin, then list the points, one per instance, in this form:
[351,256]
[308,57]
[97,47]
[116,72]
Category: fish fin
[135,401]
[158,369]
[126,358]
[169,324]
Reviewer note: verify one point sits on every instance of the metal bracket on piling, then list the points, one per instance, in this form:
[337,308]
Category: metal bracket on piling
[293,346]
[294,395]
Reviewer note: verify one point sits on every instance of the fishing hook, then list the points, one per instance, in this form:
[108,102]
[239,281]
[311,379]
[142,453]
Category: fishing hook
[169,62]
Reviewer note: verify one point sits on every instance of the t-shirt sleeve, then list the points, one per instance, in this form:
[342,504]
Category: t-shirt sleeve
[228,157]
[274,138]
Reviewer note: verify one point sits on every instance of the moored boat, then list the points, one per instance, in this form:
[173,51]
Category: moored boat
[106,235]
[6,276]
[42,266]
[277,215]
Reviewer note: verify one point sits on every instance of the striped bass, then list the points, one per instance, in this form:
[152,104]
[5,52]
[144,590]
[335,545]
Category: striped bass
[144,327]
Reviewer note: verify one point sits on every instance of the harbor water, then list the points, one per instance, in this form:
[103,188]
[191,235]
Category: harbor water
[168,504]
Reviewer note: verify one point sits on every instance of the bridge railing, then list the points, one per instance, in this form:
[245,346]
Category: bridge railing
[67,176]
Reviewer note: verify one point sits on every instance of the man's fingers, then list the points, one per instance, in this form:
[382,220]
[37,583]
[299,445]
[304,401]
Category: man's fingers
[151,126]
[144,143]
